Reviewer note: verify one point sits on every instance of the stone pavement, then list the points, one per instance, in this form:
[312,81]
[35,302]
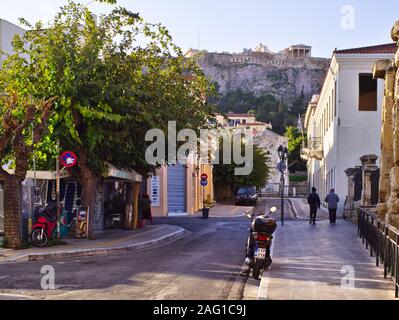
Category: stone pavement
[301,209]
[310,263]
[106,242]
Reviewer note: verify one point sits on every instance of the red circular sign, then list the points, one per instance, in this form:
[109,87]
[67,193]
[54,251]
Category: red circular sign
[204,176]
[68,159]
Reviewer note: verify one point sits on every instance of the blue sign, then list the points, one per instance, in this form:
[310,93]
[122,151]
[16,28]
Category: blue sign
[204,183]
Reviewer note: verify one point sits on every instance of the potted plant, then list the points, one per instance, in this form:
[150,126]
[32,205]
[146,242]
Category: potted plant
[207,204]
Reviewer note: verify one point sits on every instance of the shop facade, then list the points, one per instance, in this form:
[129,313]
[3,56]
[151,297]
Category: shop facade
[176,189]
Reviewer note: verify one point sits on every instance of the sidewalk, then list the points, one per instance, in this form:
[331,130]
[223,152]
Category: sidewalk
[107,242]
[301,209]
[226,211]
[311,263]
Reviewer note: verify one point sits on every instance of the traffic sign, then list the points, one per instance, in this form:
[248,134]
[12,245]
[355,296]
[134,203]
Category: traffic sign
[68,159]
[281,167]
[204,176]
[204,183]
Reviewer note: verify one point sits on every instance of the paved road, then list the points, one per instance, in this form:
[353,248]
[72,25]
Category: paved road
[327,262]
[204,265]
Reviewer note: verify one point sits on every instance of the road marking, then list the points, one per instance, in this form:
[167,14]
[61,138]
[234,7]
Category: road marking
[15,295]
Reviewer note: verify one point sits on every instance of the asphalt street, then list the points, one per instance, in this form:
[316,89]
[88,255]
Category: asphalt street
[204,265]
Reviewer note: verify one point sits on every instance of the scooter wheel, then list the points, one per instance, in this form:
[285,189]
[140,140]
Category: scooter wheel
[37,239]
[256,270]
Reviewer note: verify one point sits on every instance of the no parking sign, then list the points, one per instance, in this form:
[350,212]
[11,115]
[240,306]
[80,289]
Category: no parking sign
[68,159]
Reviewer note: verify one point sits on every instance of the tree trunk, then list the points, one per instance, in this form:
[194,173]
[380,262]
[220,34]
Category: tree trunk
[12,212]
[89,186]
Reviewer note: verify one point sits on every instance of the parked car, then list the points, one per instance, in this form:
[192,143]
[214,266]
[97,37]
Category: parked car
[246,196]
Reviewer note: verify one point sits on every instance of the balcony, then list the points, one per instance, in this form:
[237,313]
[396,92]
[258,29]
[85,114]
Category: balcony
[312,149]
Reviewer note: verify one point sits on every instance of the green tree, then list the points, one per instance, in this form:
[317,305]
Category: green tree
[115,79]
[23,122]
[226,180]
[295,140]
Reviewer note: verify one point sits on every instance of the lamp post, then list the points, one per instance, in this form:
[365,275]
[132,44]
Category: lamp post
[282,167]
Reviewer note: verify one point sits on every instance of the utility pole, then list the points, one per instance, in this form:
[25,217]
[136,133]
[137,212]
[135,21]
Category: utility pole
[57,188]
[282,167]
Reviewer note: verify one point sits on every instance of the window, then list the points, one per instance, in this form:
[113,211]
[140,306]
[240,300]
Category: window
[244,121]
[367,92]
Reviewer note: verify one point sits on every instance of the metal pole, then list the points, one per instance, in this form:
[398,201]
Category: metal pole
[34,160]
[58,189]
[282,198]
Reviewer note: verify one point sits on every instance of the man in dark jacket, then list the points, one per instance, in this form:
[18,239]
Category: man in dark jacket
[314,203]
[332,200]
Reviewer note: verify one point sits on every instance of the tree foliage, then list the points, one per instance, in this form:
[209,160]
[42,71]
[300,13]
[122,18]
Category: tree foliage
[295,140]
[23,122]
[265,106]
[224,174]
[115,79]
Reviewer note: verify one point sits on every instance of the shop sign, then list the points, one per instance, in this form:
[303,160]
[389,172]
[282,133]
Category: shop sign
[155,192]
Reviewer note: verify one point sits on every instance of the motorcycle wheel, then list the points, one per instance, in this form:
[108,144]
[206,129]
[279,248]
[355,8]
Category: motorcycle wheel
[268,262]
[37,242]
[256,269]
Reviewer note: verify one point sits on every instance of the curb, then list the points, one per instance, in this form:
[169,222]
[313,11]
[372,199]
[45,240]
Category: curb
[265,280]
[295,211]
[101,251]
[232,216]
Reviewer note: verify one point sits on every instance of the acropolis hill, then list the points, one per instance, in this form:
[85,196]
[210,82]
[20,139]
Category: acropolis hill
[283,74]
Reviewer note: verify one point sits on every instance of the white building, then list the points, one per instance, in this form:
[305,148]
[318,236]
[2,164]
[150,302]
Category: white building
[344,122]
[269,142]
[264,138]
[7,33]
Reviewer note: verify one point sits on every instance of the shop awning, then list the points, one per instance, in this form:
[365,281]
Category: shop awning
[43,175]
[124,174]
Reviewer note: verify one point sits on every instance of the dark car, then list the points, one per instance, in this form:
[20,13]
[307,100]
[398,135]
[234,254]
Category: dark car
[246,196]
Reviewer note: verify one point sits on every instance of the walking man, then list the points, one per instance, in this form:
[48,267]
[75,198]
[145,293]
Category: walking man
[314,204]
[332,200]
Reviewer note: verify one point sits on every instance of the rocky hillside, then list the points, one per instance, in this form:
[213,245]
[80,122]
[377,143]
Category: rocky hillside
[282,78]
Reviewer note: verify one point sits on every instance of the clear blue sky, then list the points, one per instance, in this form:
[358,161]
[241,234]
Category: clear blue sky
[231,25]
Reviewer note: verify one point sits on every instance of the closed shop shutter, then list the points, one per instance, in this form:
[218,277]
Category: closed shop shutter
[176,189]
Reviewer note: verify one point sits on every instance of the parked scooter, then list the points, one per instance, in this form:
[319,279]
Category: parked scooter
[259,242]
[45,224]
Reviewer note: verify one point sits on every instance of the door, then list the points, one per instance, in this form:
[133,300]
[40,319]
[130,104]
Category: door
[176,189]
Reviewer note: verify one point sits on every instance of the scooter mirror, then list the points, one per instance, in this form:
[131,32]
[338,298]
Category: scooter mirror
[273,209]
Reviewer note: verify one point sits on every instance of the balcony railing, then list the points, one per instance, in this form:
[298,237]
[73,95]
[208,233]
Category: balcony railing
[383,242]
[312,148]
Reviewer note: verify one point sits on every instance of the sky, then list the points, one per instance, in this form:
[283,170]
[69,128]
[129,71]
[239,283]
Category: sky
[231,25]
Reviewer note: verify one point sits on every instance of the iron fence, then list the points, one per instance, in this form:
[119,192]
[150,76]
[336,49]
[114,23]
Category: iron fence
[383,242]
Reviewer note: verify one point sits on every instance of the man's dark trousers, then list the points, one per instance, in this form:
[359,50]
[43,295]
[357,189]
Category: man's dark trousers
[333,215]
[313,212]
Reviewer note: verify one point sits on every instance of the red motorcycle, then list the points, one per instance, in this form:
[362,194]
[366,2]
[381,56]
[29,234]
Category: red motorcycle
[46,223]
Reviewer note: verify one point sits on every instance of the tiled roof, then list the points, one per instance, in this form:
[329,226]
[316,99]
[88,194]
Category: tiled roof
[255,124]
[389,48]
[231,114]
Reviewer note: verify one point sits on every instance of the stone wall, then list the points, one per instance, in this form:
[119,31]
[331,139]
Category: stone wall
[388,70]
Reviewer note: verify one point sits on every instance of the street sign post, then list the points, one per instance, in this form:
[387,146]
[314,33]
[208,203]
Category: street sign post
[204,183]
[282,168]
[68,159]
